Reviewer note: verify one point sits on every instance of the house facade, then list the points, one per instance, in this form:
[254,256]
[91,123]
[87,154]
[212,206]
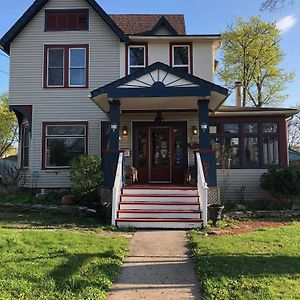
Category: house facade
[85,82]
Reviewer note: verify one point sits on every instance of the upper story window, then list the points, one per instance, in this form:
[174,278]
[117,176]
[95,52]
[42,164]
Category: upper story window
[66,66]
[67,20]
[182,58]
[137,57]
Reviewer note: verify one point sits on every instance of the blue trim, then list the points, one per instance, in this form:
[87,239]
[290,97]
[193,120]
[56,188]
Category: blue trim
[162,22]
[202,123]
[204,89]
[37,6]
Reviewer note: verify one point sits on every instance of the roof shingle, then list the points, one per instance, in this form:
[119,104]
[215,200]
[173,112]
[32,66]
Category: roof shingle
[141,23]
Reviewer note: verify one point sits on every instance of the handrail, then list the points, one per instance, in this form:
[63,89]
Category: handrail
[202,189]
[117,189]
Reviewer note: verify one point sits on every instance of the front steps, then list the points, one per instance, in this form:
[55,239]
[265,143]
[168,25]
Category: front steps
[159,207]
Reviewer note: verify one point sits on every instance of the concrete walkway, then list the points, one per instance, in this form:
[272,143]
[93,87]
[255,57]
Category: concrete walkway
[158,267]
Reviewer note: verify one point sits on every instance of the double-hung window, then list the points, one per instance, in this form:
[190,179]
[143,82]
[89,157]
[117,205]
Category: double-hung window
[137,57]
[66,66]
[62,142]
[181,58]
[251,144]
[25,146]
[270,143]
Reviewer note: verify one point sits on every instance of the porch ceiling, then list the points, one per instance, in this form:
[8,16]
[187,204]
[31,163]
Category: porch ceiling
[159,87]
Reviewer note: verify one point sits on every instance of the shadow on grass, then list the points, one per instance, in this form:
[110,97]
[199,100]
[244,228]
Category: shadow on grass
[47,219]
[235,266]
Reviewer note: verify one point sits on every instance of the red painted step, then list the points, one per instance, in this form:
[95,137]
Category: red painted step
[160,220]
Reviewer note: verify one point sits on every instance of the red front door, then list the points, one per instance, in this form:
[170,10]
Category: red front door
[160,155]
[160,152]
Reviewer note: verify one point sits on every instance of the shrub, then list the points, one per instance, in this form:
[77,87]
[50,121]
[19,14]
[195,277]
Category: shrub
[86,176]
[282,182]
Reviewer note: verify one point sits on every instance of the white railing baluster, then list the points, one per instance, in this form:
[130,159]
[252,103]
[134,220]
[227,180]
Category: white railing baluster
[202,189]
[117,189]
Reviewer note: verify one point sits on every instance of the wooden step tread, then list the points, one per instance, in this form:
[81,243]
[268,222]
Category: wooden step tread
[156,211]
[158,203]
[159,195]
[159,220]
[163,187]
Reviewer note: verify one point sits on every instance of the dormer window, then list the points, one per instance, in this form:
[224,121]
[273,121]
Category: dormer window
[67,20]
[182,58]
[137,58]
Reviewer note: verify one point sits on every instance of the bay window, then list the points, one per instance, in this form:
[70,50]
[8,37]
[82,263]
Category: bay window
[66,66]
[62,142]
[25,146]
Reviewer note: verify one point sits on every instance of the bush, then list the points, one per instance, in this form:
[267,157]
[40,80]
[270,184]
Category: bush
[86,176]
[282,182]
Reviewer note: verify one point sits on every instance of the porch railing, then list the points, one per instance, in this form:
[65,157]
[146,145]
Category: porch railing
[117,189]
[202,189]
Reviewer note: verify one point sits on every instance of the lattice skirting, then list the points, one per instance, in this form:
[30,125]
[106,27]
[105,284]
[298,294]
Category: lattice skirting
[214,195]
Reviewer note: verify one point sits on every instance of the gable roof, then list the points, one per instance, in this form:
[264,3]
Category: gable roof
[37,6]
[190,81]
[132,24]
[294,155]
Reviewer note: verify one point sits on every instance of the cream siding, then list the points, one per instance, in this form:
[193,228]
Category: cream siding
[26,81]
[231,181]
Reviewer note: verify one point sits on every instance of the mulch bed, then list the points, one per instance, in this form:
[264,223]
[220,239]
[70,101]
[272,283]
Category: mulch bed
[245,227]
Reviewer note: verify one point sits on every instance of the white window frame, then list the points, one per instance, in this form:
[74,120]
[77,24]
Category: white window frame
[69,68]
[48,55]
[189,57]
[129,66]
[47,137]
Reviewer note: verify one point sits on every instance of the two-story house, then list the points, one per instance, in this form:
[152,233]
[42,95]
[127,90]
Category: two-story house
[85,82]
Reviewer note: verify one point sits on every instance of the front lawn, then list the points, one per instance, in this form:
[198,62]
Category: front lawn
[47,255]
[263,264]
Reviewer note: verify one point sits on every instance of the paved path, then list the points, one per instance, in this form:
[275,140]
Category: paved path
[158,267]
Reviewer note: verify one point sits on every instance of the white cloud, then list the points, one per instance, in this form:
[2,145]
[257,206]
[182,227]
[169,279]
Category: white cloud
[286,23]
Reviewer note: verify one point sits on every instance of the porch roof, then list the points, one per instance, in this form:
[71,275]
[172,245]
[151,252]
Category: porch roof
[159,87]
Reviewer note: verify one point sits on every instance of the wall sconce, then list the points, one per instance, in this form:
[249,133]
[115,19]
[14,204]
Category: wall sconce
[195,130]
[125,131]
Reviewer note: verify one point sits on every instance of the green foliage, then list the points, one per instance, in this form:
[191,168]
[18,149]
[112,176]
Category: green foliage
[251,54]
[282,182]
[58,264]
[86,176]
[258,265]
[8,127]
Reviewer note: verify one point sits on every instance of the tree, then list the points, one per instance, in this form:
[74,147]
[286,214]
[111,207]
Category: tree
[251,54]
[271,5]
[8,127]
[294,132]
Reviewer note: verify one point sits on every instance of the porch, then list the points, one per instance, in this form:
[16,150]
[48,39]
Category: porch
[158,119]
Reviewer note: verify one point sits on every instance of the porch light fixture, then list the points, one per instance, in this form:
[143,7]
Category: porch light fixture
[195,130]
[125,131]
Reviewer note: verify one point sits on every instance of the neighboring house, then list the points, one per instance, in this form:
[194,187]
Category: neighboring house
[84,82]
[294,157]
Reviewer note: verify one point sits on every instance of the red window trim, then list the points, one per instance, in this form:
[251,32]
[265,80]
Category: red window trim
[66,65]
[127,51]
[281,134]
[23,126]
[44,128]
[190,44]
[67,11]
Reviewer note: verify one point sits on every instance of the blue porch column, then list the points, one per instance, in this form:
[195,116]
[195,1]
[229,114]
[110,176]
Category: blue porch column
[111,156]
[208,156]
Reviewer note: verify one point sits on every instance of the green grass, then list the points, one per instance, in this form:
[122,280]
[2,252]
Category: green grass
[28,198]
[46,255]
[264,264]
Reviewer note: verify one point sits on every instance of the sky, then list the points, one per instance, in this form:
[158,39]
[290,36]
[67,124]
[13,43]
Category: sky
[201,16]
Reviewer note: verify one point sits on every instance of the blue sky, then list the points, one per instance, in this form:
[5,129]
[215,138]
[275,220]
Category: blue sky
[202,17]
